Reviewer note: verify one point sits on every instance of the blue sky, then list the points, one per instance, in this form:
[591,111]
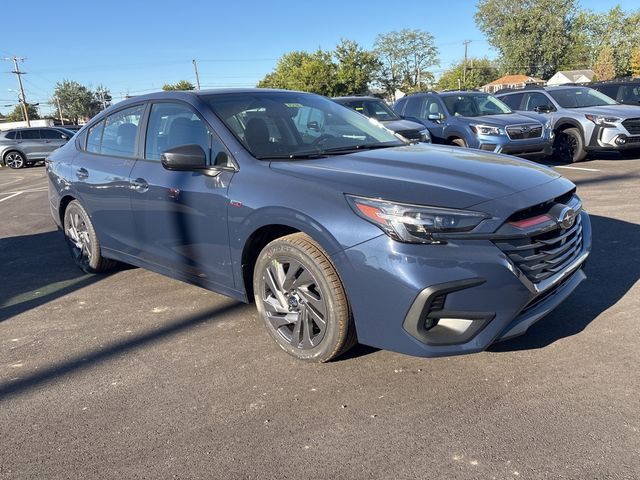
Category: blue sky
[136,47]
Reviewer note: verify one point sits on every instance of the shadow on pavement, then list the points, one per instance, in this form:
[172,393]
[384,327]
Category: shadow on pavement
[91,358]
[37,269]
[612,269]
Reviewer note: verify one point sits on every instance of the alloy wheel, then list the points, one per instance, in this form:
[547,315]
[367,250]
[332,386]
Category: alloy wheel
[78,238]
[14,160]
[567,146]
[294,304]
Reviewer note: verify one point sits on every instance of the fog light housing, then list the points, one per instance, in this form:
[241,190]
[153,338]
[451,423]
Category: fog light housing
[621,140]
[489,147]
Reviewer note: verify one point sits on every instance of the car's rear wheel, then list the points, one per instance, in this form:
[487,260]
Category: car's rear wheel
[14,160]
[301,299]
[569,146]
[83,241]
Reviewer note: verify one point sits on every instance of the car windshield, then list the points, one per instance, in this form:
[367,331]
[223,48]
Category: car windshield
[294,125]
[374,109]
[580,98]
[474,105]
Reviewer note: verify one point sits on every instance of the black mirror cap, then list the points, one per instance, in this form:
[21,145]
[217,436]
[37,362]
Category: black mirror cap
[184,157]
[543,108]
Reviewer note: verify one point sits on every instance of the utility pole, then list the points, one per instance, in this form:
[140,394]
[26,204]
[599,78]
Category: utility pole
[59,110]
[464,68]
[195,67]
[104,103]
[23,99]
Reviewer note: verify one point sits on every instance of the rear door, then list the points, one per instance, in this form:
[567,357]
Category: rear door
[101,176]
[30,144]
[180,217]
[52,139]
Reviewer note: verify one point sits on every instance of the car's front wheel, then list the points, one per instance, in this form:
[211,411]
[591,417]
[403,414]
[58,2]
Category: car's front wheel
[301,299]
[83,241]
[569,146]
[14,160]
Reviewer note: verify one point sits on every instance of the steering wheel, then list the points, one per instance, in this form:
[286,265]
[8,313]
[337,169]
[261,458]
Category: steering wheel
[321,139]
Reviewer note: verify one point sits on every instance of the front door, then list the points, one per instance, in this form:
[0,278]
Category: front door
[51,139]
[181,216]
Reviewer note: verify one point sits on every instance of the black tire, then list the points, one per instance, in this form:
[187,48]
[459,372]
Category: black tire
[14,159]
[82,240]
[458,142]
[569,146]
[297,290]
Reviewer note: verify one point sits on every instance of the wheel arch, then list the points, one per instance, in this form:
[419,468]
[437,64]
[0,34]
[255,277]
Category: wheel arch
[62,206]
[10,149]
[564,123]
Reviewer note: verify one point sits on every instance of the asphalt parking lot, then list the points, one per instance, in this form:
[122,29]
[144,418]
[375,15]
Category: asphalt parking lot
[134,375]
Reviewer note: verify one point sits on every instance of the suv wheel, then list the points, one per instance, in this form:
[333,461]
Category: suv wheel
[458,142]
[82,240]
[14,160]
[569,146]
[301,299]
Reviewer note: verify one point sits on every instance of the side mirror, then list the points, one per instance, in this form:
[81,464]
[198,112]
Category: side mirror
[184,157]
[435,117]
[543,109]
[64,137]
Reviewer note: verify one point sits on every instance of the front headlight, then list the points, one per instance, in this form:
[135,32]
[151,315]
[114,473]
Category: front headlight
[414,223]
[602,120]
[485,130]
[425,136]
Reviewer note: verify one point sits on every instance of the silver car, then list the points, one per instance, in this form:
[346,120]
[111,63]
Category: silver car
[21,147]
[583,119]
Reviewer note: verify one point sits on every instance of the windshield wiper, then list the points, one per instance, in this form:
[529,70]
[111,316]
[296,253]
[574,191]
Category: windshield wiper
[355,148]
[292,156]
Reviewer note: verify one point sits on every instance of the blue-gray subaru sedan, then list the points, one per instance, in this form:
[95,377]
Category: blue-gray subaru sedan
[337,229]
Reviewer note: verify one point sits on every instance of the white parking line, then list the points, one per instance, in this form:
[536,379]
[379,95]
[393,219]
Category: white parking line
[15,194]
[578,168]
[30,190]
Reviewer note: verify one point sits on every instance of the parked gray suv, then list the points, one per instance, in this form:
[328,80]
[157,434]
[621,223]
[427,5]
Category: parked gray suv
[25,146]
[583,119]
[477,120]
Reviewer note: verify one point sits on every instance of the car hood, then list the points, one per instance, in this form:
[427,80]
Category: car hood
[423,174]
[402,125]
[624,111]
[500,120]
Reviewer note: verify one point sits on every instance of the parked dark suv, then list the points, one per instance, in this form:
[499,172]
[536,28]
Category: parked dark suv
[351,235]
[622,91]
[478,120]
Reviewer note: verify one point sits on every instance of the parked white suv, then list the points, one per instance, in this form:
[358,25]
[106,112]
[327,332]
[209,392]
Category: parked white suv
[583,119]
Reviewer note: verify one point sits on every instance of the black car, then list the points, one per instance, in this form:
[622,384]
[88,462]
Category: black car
[375,108]
[623,91]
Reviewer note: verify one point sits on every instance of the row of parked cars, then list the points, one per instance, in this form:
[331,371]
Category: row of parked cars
[566,121]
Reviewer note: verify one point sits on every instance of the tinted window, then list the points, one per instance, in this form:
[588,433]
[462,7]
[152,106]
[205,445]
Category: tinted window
[120,132]
[474,105]
[432,107]
[580,97]
[534,100]
[608,90]
[172,125]
[94,138]
[414,106]
[513,101]
[50,134]
[630,94]
[30,134]
[11,135]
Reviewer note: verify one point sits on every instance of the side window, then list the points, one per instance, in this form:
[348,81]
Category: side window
[414,107]
[513,101]
[11,135]
[173,125]
[536,100]
[94,137]
[630,94]
[50,134]
[432,107]
[120,132]
[399,105]
[609,90]
[30,134]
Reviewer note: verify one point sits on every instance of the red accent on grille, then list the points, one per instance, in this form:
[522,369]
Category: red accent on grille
[531,222]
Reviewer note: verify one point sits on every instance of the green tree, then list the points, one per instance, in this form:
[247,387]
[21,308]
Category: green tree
[179,85]
[634,62]
[605,66]
[355,70]
[76,101]
[480,71]
[405,58]
[532,36]
[17,115]
[308,72]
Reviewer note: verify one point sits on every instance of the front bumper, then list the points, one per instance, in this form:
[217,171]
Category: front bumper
[530,148]
[481,295]
[612,138]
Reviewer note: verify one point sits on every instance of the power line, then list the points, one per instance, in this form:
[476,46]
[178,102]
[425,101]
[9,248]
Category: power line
[19,74]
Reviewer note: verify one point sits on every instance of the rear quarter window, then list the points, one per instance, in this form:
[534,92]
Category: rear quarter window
[513,101]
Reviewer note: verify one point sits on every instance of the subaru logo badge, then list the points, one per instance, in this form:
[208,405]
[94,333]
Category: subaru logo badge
[567,218]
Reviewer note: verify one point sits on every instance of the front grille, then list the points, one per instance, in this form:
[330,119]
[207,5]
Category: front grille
[632,125]
[522,132]
[411,134]
[542,256]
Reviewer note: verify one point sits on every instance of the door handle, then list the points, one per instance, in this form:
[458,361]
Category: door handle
[140,185]
[82,173]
